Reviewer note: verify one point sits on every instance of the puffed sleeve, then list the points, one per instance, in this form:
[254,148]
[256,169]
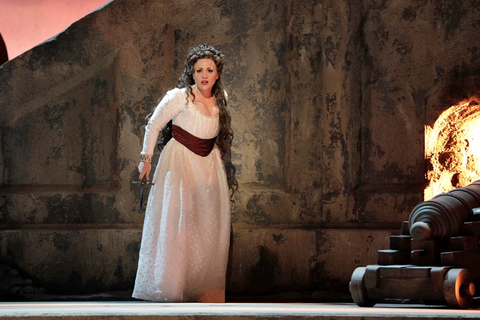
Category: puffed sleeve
[168,108]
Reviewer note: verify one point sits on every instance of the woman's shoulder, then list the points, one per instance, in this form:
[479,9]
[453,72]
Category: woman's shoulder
[176,95]
[176,92]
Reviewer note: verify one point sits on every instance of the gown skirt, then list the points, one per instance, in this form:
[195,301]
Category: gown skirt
[186,233]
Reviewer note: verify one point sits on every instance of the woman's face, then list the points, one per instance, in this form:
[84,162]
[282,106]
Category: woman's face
[205,74]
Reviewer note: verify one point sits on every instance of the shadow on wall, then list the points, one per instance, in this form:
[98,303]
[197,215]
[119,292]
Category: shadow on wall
[3,51]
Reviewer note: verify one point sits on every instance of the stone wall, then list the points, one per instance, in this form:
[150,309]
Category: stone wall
[329,100]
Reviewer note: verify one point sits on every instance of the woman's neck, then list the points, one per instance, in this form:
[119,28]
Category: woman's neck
[203,93]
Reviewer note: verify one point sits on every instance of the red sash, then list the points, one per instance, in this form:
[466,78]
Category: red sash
[202,147]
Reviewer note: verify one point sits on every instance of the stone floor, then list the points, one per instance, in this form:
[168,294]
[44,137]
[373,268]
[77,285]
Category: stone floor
[231,311]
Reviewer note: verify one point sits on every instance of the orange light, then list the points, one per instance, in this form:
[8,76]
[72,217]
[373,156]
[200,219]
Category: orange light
[452,146]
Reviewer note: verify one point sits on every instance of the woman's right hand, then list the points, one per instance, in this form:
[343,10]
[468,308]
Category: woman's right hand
[144,170]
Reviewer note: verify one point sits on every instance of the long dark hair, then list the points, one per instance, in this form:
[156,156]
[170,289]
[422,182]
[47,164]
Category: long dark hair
[225,135]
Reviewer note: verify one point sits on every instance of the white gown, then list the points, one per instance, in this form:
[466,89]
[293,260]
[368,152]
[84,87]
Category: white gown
[186,233]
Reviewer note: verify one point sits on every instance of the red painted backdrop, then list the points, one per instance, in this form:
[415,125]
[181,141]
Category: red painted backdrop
[27,23]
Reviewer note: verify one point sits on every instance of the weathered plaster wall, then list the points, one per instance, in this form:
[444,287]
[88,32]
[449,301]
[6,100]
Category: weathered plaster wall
[328,99]
[414,50]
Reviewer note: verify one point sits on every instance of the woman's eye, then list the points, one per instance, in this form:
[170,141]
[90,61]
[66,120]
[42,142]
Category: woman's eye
[198,71]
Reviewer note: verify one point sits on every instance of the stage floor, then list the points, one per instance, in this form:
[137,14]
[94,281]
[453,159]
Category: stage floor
[244,311]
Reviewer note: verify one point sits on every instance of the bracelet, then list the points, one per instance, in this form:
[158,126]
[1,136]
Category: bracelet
[146,158]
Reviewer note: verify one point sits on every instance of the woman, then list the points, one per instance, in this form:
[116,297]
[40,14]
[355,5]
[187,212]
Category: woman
[186,234]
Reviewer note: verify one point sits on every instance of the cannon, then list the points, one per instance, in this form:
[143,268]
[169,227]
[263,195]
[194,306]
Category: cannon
[430,284]
[443,216]
[435,259]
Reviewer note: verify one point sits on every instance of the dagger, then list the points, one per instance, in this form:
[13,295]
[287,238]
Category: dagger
[144,182]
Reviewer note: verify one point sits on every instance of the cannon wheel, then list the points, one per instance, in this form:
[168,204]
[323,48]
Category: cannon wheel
[357,289]
[458,288]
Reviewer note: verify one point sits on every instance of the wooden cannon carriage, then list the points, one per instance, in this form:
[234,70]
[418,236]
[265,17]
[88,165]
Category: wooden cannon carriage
[435,259]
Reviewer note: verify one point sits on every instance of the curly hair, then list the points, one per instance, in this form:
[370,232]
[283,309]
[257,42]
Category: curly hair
[225,135]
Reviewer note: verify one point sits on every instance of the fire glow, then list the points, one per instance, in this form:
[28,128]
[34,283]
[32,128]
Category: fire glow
[452,148]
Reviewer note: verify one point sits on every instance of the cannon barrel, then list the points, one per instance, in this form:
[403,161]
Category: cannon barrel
[443,215]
